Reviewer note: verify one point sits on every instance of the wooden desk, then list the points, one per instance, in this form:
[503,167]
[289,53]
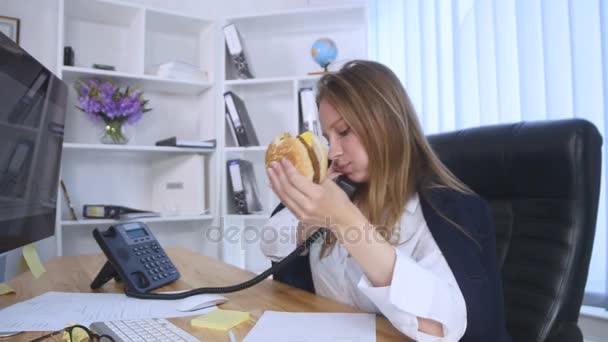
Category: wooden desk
[75,273]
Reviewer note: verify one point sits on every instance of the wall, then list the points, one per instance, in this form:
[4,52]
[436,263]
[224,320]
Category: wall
[238,7]
[37,27]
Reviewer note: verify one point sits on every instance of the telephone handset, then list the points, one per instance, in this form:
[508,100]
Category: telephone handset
[343,182]
[134,256]
[347,185]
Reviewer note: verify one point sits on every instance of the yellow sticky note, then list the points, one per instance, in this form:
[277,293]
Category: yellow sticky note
[23,265]
[5,289]
[220,319]
[32,260]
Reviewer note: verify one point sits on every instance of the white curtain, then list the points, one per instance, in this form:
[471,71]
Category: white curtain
[475,62]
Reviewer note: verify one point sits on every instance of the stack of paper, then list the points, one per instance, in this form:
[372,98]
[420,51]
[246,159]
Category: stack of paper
[53,310]
[178,70]
[313,327]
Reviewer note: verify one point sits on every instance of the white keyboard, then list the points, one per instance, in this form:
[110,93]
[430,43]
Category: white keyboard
[154,329]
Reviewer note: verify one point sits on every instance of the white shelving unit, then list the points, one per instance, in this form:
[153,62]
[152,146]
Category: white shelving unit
[94,222]
[250,149]
[269,80]
[177,182]
[278,46]
[134,150]
[188,186]
[148,82]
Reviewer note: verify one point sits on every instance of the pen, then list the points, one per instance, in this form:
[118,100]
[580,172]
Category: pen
[231,336]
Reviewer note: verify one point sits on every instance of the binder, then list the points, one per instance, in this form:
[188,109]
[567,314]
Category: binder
[68,200]
[174,142]
[239,118]
[243,187]
[117,212]
[309,114]
[237,52]
[230,126]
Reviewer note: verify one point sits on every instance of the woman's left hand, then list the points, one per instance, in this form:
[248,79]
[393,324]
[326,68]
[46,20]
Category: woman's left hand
[323,205]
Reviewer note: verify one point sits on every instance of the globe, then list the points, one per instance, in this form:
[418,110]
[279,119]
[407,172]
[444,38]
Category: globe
[324,51]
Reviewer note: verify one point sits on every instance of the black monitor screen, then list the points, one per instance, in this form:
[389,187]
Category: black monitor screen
[32,114]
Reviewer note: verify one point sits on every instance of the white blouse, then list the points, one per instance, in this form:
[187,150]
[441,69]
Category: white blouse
[422,285]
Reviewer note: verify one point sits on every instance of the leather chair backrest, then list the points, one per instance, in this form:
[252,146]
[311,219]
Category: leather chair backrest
[542,181]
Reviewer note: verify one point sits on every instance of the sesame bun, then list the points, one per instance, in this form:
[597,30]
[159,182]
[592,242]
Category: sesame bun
[306,152]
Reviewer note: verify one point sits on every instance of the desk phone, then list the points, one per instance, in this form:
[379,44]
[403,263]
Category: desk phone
[134,256]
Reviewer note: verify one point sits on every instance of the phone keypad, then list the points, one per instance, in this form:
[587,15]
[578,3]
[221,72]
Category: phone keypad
[156,263]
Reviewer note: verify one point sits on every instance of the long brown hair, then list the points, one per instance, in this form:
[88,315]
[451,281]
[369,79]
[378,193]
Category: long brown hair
[374,104]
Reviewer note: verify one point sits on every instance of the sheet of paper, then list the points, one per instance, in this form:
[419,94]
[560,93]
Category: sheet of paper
[5,289]
[313,327]
[53,310]
[33,261]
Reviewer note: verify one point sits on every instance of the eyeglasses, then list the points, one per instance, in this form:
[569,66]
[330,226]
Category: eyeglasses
[78,333]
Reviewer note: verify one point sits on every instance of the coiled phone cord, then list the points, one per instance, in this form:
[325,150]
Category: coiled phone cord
[238,287]
[342,181]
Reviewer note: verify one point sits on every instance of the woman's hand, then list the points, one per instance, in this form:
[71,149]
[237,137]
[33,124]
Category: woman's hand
[306,230]
[315,205]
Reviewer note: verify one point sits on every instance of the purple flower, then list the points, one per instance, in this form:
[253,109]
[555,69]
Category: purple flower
[107,102]
[84,91]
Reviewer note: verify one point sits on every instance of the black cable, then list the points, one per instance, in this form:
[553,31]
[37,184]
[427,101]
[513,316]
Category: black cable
[342,181]
[238,287]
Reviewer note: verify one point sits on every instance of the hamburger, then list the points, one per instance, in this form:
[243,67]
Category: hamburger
[305,151]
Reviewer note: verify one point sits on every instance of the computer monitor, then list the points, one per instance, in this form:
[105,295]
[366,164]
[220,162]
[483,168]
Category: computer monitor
[32,114]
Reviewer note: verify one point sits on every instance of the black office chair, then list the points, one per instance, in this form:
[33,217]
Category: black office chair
[542,180]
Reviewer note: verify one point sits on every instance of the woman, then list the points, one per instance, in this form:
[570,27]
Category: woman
[415,245]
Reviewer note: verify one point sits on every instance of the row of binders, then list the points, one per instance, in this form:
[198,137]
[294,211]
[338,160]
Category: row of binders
[240,125]
[242,185]
[238,120]
[237,117]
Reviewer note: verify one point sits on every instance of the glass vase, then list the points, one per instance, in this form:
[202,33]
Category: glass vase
[114,133]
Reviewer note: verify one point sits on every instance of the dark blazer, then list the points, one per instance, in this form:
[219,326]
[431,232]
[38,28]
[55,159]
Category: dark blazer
[470,252]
